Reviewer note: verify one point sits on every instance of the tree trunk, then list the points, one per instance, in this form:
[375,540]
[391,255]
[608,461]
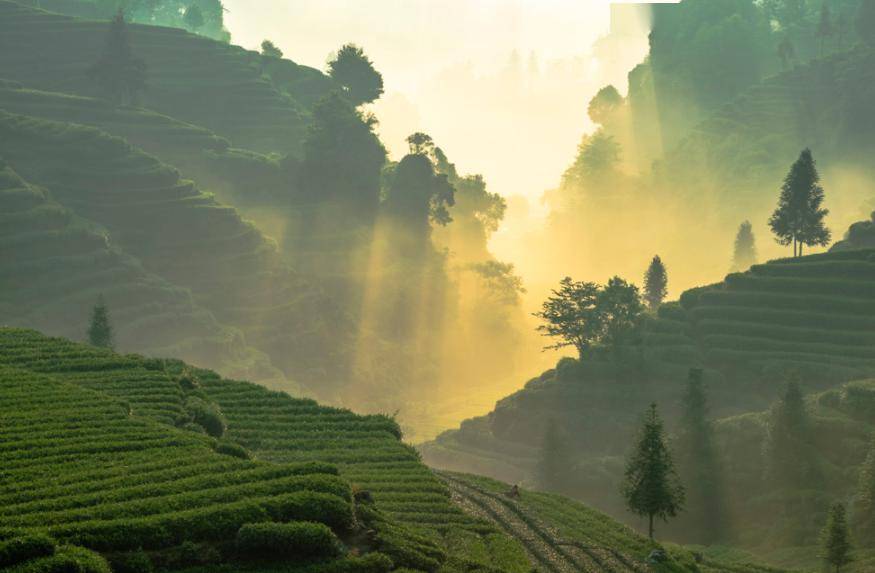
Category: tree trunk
[650,528]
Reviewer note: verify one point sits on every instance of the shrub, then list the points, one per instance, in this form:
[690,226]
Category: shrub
[859,400]
[135,562]
[206,415]
[312,506]
[301,539]
[232,449]
[19,549]
[188,380]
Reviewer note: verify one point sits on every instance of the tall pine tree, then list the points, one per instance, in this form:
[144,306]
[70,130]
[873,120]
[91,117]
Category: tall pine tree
[119,76]
[651,486]
[745,253]
[555,467]
[100,330]
[698,464]
[789,458]
[836,539]
[655,283]
[798,219]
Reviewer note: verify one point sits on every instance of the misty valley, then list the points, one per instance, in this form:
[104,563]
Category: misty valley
[481,287]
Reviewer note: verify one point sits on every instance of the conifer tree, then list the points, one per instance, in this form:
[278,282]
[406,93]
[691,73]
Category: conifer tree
[100,332]
[555,468]
[865,508]
[745,253]
[698,463]
[798,219]
[835,539]
[655,283]
[118,75]
[651,486]
[787,450]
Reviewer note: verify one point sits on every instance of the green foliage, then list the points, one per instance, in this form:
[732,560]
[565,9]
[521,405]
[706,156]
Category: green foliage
[798,219]
[232,449]
[270,50]
[193,17]
[604,105]
[19,549]
[100,331]
[744,253]
[418,195]
[133,562]
[119,76]
[597,159]
[207,415]
[699,466]
[353,70]
[343,158]
[864,515]
[835,542]
[301,540]
[651,486]
[655,284]
[788,446]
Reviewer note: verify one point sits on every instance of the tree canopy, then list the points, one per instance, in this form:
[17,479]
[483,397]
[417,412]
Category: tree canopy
[355,72]
[799,216]
[418,194]
[651,486]
[655,283]
[744,253]
[100,332]
[584,314]
[604,105]
[343,158]
[836,539]
[118,75]
[270,50]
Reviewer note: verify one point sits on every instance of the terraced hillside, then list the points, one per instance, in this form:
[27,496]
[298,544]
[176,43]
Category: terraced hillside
[57,264]
[243,176]
[812,316]
[216,85]
[86,470]
[564,536]
[164,403]
[750,142]
[185,236]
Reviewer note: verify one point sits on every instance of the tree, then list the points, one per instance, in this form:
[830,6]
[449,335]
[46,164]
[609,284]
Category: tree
[270,50]
[745,253]
[798,219]
[604,105]
[787,449]
[651,486]
[193,17]
[100,331]
[655,283]
[421,144]
[119,76]
[835,539]
[352,69]
[419,195]
[865,21]
[571,315]
[583,314]
[597,158]
[555,467]
[698,463]
[343,158]
[825,26]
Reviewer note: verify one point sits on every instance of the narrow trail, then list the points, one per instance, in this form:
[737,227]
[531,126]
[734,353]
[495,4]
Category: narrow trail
[548,552]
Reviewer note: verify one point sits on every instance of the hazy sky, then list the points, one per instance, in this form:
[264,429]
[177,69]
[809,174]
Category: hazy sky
[501,85]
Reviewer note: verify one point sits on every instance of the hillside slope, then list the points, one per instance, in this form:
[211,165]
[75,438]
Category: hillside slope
[216,85]
[151,403]
[810,318]
[186,237]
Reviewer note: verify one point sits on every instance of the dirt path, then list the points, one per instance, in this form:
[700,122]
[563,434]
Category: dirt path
[548,552]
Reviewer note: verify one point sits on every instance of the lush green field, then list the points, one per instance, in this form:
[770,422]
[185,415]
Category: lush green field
[92,451]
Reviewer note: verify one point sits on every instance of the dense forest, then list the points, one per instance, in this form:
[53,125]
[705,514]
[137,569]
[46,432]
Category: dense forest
[693,312]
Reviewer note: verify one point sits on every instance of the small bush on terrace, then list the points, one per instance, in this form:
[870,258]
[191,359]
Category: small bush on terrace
[206,415]
[20,549]
[301,539]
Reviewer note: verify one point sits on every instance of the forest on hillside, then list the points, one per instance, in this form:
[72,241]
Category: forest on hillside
[243,330]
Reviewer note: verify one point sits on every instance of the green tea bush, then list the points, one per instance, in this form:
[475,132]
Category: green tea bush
[312,506]
[134,562]
[206,415]
[19,549]
[301,539]
[232,449]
